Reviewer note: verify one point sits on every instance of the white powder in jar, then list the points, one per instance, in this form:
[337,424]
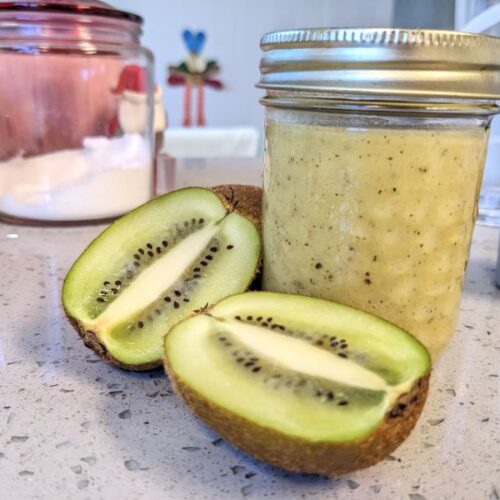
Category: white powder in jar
[105,178]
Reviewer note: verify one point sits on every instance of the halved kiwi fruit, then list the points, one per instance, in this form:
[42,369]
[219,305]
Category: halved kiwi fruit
[302,383]
[155,266]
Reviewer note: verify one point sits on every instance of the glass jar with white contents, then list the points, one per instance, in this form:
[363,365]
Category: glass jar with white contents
[77,103]
[375,146]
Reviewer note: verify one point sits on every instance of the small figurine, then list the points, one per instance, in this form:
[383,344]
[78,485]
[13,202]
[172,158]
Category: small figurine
[132,113]
[195,72]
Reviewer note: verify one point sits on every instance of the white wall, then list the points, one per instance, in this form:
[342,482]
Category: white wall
[234,28]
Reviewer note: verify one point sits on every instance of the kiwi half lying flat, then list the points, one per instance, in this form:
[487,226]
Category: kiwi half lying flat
[304,384]
[154,267]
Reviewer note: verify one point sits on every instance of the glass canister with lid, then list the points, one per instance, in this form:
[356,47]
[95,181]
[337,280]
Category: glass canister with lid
[374,152]
[77,102]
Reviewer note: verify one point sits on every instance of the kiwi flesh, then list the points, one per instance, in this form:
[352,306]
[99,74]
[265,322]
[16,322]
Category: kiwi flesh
[155,266]
[301,383]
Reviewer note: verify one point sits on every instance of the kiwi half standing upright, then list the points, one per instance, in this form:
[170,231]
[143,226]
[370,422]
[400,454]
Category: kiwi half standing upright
[301,383]
[156,265]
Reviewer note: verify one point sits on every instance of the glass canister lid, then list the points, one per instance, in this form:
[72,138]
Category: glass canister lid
[81,7]
[381,63]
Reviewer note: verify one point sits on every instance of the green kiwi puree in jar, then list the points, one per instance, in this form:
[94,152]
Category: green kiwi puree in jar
[375,218]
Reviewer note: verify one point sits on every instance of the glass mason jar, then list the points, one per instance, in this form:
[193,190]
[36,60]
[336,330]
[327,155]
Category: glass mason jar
[374,152]
[76,112]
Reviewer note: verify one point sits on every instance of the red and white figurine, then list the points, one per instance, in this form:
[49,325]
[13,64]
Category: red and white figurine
[132,115]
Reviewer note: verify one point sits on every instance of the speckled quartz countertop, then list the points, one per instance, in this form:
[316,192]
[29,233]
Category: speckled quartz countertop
[72,427]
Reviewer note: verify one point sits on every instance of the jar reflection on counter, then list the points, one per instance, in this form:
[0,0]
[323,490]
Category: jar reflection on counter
[376,217]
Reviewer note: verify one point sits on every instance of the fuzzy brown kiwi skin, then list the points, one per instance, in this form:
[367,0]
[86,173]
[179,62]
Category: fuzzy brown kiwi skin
[299,455]
[244,200]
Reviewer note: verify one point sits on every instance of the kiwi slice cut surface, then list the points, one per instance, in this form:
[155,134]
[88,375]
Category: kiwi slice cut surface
[303,383]
[154,267]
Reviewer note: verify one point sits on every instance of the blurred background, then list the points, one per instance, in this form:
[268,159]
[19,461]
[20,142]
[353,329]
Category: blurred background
[206,67]
[234,116]
[234,29]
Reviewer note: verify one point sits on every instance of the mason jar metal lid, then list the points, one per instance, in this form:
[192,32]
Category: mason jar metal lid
[382,63]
